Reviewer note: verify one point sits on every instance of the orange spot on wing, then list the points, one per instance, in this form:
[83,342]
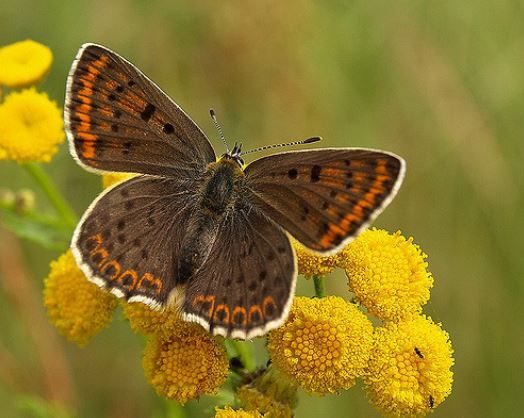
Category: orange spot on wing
[111,85]
[83,93]
[201,300]
[222,307]
[255,309]
[241,312]
[269,305]
[106,112]
[112,263]
[97,239]
[94,67]
[87,136]
[86,83]
[82,110]
[132,274]
[382,166]
[152,281]
[102,252]
[101,62]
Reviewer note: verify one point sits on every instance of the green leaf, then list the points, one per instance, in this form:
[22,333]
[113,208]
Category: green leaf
[36,407]
[45,231]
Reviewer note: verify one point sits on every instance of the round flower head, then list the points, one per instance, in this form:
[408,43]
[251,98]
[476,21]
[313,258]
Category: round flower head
[270,393]
[387,273]
[24,63]
[324,344]
[409,369]
[31,126]
[228,412]
[186,365]
[76,307]
[310,263]
[3,154]
[150,321]
[114,178]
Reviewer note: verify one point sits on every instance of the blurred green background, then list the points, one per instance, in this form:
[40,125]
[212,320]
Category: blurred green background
[439,83]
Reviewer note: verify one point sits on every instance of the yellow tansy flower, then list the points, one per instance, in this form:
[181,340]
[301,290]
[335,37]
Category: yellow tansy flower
[270,393]
[3,154]
[113,178]
[24,63]
[228,412]
[31,126]
[186,365]
[310,263]
[150,321]
[324,344]
[409,369]
[76,307]
[387,273]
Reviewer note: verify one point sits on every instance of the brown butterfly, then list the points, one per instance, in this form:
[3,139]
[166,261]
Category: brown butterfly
[206,234]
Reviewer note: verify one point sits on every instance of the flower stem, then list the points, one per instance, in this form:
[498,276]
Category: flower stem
[320,286]
[52,193]
[174,410]
[244,350]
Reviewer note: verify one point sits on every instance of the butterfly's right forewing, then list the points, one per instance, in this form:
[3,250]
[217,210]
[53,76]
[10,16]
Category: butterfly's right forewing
[324,197]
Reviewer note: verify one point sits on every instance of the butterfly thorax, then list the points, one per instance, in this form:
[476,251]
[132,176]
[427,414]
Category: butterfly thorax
[223,178]
[220,189]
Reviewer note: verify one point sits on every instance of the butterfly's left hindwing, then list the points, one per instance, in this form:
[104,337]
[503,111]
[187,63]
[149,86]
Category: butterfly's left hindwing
[324,197]
[129,240]
[245,287]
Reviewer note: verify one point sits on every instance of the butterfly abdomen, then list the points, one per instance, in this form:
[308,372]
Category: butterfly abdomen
[218,197]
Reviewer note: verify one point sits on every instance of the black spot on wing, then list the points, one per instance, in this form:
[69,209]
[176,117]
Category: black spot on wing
[315,173]
[147,113]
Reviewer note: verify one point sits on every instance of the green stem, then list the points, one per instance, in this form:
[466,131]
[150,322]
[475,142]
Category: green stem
[244,350]
[52,193]
[320,286]
[174,410]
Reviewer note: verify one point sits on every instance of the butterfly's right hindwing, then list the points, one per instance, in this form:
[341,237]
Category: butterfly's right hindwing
[245,287]
[119,120]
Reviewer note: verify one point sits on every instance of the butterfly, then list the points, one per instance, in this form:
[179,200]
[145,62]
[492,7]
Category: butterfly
[208,235]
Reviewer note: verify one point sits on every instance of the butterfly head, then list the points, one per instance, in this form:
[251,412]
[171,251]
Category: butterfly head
[235,154]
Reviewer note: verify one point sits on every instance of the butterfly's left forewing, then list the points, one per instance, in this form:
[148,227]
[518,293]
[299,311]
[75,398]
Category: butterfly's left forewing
[117,119]
[324,197]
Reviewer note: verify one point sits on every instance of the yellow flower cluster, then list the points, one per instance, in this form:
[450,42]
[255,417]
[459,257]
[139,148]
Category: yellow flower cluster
[77,308]
[310,263]
[270,393]
[387,273]
[149,321]
[31,125]
[228,412]
[24,63]
[186,365]
[255,400]
[325,344]
[409,369]
[111,179]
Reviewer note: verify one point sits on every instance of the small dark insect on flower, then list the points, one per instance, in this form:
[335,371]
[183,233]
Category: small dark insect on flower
[236,363]
[431,401]
[418,353]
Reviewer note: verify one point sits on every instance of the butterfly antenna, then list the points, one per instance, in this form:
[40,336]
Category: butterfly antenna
[219,128]
[287,144]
